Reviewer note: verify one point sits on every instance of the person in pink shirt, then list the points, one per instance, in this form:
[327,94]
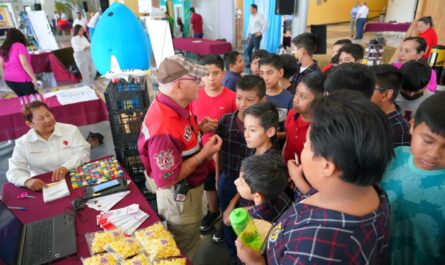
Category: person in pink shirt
[414,48]
[213,102]
[15,64]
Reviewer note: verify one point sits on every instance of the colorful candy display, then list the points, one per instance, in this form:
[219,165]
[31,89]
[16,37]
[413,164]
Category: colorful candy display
[96,172]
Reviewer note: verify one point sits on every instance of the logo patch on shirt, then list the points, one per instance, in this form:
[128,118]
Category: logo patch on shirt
[165,160]
[187,133]
[275,233]
[168,174]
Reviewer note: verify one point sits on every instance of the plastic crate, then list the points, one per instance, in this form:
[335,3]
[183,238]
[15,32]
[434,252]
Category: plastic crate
[122,96]
[126,126]
[129,158]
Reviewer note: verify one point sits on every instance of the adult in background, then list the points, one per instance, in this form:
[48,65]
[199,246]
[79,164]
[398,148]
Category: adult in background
[171,22]
[360,20]
[48,146]
[196,24]
[82,55]
[353,14]
[426,31]
[172,153]
[79,20]
[92,23]
[15,64]
[257,27]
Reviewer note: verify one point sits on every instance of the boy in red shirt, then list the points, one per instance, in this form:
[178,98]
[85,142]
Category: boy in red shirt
[299,118]
[213,102]
[196,24]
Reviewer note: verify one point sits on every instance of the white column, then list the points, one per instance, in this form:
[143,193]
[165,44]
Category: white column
[299,20]
[226,17]
[49,6]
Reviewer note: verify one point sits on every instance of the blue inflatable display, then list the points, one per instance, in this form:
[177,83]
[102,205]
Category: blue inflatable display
[121,34]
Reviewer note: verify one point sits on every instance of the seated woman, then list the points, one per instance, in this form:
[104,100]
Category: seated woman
[47,146]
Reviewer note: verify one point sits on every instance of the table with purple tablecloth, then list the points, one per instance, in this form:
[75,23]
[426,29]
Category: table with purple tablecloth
[36,209]
[80,114]
[202,46]
[384,26]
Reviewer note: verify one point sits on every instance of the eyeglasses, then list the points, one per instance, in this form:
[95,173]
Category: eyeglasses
[194,79]
[381,89]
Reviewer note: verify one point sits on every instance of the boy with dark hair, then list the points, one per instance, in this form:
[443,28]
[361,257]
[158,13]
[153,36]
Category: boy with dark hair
[271,70]
[346,219]
[335,48]
[214,100]
[304,46]
[250,90]
[263,179]
[388,83]
[358,77]
[415,181]
[256,57]
[351,53]
[233,61]
[289,68]
[415,77]
[299,118]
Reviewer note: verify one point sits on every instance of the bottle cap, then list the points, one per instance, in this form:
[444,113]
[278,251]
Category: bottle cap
[239,217]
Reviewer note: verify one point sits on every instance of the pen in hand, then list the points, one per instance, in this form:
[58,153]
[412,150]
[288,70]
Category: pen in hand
[17,208]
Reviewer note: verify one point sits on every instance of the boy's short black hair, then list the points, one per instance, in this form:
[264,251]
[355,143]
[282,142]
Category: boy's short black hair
[289,65]
[415,75]
[265,174]
[352,76]
[273,60]
[421,43]
[266,112]
[230,58]
[212,59]
[355,50]
[259,54]
[387,76]
[335,59]
[306,40]
[254,6]
[252,82]
[353,133]
[343,42]
[431,111]
[314,82]
[192,9]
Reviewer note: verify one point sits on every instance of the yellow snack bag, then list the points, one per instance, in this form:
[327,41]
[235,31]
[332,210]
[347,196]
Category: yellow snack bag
[137,260]
[103,238]
[101,259]
[176,261]
[125,248]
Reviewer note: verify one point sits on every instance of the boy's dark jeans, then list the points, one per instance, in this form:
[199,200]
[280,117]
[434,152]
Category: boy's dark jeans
[254,42]
[226,191]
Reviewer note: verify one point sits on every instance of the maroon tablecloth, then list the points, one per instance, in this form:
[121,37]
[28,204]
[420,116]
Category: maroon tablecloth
[40,62]
[201,46]
[12,123]
[85,220]
[383,26]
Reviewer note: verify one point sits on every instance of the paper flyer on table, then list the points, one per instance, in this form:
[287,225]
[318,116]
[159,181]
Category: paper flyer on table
[73,95]
[55,190]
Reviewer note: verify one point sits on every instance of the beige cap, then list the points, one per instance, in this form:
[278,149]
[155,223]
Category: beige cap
[176,66]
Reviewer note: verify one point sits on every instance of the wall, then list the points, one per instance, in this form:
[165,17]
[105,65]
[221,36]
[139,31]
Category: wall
[335,11]
[400,10]
[132,4]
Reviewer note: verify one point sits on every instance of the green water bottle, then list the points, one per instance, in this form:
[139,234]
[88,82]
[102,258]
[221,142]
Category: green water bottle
[245,228]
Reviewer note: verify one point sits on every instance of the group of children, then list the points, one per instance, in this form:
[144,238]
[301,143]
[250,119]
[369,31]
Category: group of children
[343,125]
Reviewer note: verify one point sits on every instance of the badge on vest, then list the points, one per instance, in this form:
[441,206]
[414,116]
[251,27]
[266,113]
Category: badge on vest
[165,160]
[187,133]
[275,233]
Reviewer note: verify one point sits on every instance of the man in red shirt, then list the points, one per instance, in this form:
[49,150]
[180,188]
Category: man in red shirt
[196,24]
[172,153]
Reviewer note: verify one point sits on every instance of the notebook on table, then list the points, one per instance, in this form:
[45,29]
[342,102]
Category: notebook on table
[38,242]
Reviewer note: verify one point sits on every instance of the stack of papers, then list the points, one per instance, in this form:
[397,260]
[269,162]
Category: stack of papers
[128,219]
[105,203]
[55,190]
[73,95]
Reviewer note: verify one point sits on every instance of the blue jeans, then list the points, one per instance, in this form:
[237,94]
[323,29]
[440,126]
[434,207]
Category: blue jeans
[226,191]
[198,36]
[359,28]
[254,42]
